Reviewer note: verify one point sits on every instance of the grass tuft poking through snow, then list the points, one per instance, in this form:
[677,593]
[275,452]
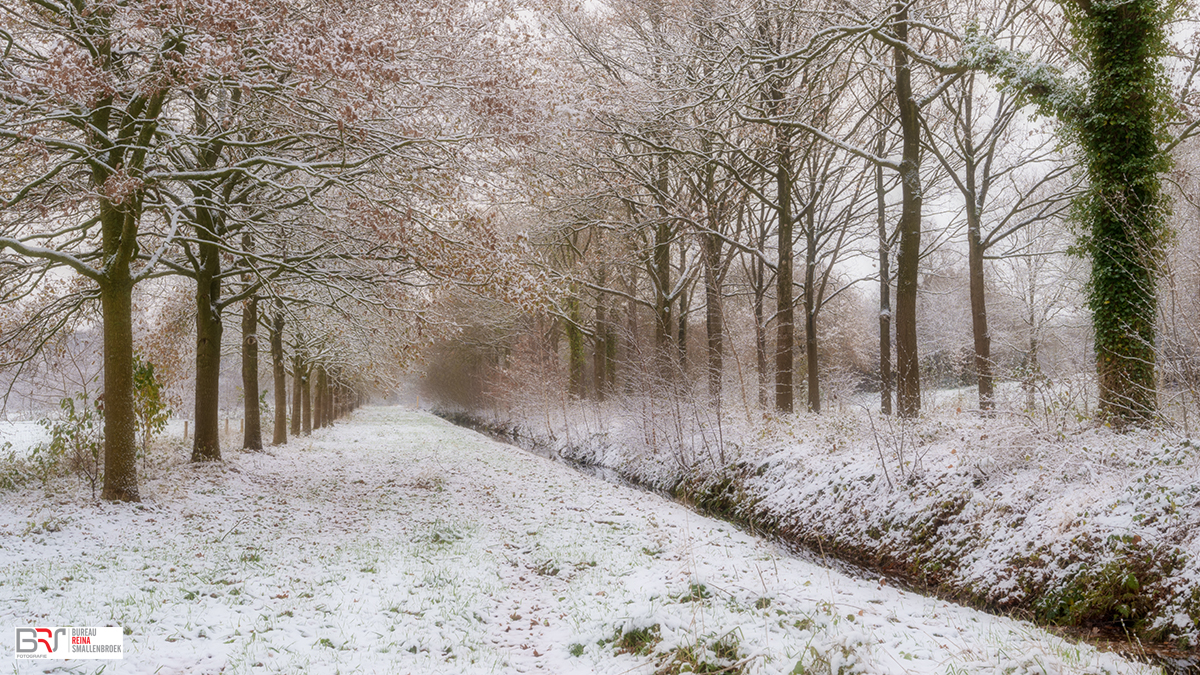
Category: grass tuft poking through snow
[397,543]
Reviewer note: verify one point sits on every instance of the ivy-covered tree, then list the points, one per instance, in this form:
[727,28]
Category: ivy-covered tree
[1118,120]
[1120,135]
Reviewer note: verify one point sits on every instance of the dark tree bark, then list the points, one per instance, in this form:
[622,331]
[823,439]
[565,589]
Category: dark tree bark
[318,386]
[908,389]
[306,397]
[601,331]
[124,134]
[631,322]
[758,268]
[979,323]
[206,444]
[785,313]
[323,378]
[810,314]
[576,358]
[297,383]
[600,348]
[685,306]
[118,234]
[714,316]
[330,390]
[610,357]
[975,197]
[661,274]
[279,375]
[120,448]
[252,412]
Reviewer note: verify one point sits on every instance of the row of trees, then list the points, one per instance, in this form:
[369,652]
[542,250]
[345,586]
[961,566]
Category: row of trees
[267,153]
[757,151]
[325,168]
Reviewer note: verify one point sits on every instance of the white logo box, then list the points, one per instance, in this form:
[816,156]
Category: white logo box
[69,642]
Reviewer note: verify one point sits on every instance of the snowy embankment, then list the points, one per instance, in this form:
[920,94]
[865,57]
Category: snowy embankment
[1083,527]
[396,542]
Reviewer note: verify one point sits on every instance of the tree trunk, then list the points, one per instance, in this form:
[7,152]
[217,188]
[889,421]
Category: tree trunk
[206,444]
[118,240]
[885,289]
[908,390]
[662,276]
[810,316]
[974,207]
[120,422]
[760,329]
[632,328]
[610,357]
[576,359]
[979,327]
[600,347]
[318,386]
[714,318]
[323,378]
[1033,371]
[1120,137]
[297,381]
[330,391]
[306,396]
[279,373]
[785,317]
[685,306]
[251,409]
[252,430]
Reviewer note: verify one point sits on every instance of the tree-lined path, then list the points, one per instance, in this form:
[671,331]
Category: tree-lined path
[395,542]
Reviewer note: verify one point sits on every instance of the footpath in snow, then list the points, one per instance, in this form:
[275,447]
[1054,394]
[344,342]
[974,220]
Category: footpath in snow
[398,543]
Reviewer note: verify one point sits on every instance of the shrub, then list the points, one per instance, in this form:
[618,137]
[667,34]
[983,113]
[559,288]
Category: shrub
[75,441]
[149,404]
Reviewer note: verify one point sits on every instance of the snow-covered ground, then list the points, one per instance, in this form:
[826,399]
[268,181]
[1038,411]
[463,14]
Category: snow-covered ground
[395,542]
[20,436]
[1050,515]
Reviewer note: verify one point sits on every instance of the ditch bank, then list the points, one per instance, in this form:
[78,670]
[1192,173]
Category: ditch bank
[1112,562]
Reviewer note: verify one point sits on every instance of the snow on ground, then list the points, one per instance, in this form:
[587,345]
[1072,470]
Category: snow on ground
[20,436]
[1050,515]
[396,542]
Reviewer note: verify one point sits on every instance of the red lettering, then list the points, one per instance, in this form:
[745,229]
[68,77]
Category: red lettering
[48,633]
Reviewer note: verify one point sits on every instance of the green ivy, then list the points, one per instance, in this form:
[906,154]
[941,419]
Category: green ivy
[1121,137]
[1118,121]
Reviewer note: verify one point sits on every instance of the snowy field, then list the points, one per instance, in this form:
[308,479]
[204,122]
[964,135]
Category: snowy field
[18,437]
[23,435]
[397,543]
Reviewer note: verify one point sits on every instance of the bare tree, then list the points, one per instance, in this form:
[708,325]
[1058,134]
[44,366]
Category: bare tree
[981,164]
